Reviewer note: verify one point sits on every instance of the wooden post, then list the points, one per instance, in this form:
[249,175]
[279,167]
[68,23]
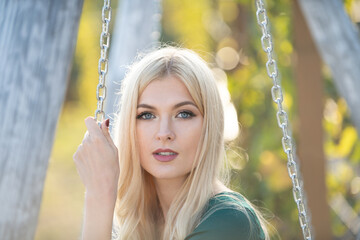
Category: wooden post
[310,143]
[337,40]
[137,29]
[37,41]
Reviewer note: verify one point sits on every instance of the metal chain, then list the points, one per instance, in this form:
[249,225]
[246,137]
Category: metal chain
[103,61]
[282,118]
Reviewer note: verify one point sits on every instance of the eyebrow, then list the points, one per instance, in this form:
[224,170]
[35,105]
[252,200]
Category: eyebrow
[144,105]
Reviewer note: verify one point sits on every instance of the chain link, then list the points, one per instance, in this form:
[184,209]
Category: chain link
[282,118]
[103,61]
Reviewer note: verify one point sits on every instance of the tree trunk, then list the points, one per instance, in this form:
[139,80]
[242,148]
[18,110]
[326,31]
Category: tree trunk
[338,42]
[37,41]
[137,29]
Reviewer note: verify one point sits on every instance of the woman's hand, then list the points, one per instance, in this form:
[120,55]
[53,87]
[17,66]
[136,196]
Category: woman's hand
[97,163]
[96,160]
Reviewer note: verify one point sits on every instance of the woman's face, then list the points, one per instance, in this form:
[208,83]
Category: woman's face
[168,129]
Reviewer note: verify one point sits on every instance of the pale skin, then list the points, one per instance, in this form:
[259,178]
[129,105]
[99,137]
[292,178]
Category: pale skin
[167,121]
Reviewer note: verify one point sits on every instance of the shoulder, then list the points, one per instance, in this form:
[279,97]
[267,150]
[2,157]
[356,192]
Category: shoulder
[228,216]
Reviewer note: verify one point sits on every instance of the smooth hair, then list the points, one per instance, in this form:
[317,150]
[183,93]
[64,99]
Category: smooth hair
[138,210]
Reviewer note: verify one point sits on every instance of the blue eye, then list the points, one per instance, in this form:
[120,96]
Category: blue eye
[185,114]
[145,116]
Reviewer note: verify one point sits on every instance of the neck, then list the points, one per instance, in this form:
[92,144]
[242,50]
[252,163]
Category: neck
[166,190]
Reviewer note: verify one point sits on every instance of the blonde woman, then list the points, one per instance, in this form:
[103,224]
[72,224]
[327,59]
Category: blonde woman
[160,178]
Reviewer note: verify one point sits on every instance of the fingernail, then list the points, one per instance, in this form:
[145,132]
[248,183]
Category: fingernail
[107,122]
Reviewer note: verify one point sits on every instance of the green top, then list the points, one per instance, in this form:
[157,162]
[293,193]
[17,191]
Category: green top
[227,217]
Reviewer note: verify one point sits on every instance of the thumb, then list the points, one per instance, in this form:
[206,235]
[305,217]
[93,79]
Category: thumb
[105,129]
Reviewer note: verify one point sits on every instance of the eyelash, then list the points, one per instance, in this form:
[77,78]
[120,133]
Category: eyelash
[189,115]
[141,115]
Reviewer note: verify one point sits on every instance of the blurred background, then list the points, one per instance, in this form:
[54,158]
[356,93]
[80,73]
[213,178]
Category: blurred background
[226,34]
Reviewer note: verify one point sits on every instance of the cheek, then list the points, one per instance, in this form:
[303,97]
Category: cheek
[144,137]
[141,141]
[141,137]
[192,135]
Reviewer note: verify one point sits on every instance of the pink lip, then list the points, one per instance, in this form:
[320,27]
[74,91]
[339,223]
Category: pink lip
[164,158]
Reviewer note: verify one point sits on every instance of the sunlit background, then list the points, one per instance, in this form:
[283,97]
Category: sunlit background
[226,34]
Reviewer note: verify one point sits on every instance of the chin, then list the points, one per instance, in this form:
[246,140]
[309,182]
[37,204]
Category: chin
[168,175]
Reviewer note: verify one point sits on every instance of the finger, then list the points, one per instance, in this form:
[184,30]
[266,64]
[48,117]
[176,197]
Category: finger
[86,134]
[77,154]
[93,128]
[105,129]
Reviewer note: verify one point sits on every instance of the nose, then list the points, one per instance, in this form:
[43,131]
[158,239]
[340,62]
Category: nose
[165,132]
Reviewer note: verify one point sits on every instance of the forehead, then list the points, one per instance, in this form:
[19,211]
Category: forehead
[167,90]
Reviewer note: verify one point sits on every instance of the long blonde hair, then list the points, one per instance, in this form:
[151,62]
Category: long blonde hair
[138,210]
